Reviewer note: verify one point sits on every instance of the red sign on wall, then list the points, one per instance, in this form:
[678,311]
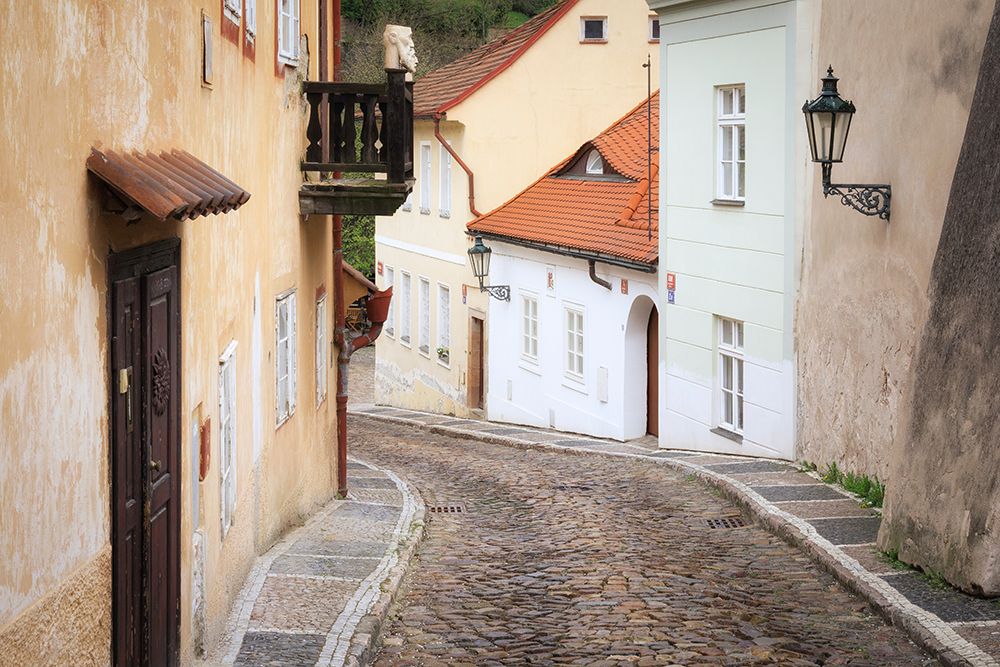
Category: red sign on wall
[671,281]
[380,268]
[624,286]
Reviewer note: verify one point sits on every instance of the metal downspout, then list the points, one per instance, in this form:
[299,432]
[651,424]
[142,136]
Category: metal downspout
[461,163]
[592,263]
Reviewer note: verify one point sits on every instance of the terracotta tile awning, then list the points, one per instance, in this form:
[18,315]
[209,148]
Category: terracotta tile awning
[169,185]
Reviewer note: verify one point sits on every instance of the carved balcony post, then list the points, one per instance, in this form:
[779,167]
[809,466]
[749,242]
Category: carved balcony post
[396,121]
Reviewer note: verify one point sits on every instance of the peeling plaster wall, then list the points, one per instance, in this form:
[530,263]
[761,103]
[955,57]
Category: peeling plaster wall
[863,298]
[125,74]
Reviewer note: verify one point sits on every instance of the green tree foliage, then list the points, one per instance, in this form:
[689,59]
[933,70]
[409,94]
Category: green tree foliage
[359,243]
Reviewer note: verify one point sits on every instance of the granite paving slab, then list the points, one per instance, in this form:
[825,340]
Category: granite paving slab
[318,546]
[870,558]
[948,604]
[808,509]
[851,530]
[773,478]
[986,636]
[300,604]
[796,492]
[371,483]
[749,466]
[381,496]
[277,649]
[341,568]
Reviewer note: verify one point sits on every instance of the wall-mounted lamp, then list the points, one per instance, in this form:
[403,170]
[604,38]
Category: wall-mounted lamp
[828,120]
[479,256]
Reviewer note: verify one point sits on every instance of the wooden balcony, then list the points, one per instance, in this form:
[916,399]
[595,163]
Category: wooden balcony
[356,132]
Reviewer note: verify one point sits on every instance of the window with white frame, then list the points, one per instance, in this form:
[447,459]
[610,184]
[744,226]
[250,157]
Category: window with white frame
[731,375]
[594,29]
[227,434]
[250,20]
[404,309]
[232,10]
[390,320]
[731,147]
[595,163]
[654,29]
[425,178]
[574,343]
[288,31]
[285,369]
[444,204]
[529,327]
[322,358]
[424,304]
[444,324]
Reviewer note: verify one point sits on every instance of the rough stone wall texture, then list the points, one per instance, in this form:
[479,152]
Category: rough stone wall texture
[863,291]
[943,510]
[79,608]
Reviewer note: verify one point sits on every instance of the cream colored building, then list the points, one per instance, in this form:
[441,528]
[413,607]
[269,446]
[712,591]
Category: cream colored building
[88,421]
[508,111]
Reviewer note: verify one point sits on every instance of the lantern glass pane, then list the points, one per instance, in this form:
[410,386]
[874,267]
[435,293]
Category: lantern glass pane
[842,126]
[824,134]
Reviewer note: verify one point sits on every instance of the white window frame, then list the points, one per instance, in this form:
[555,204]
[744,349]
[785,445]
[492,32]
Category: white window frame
[227,436]
[424,316]
[232,10]
[285,345]
[250,20]
[654,21]
[444,184]
[322,350]
[405,318]
[443,324]
[574,341]
[288,44]
[529,327]
[593,40]
[390,320]
[730,353]
[731,125]
[425,178]
[595,163]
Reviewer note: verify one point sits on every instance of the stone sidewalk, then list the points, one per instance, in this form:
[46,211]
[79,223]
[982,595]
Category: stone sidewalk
[320,595]
[825,521]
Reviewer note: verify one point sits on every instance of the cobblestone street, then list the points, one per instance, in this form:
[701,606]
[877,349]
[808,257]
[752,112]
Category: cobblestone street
[560,558]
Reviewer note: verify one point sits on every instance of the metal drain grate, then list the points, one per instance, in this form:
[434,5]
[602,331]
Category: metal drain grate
[448,508]
[727,522]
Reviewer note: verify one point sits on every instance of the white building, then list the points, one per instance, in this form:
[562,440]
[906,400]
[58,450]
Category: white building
[732,202]
[575,347]
[485,127]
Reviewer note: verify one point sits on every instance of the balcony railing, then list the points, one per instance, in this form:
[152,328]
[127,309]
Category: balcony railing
[358,128]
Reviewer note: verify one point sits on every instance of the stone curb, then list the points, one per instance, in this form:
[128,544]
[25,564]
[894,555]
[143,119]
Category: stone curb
[364,642]
[923,631]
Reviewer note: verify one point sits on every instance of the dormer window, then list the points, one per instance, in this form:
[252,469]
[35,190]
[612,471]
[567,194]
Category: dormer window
[595,163]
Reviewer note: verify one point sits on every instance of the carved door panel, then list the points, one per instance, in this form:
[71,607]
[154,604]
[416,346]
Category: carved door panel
[145,405]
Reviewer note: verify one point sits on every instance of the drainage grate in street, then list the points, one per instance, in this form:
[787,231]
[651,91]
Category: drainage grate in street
[726,522]
[448,508]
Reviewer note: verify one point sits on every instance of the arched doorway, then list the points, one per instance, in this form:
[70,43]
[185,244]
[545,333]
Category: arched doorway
[641,369]
[652,375]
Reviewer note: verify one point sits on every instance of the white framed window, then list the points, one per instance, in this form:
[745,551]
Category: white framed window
[404,309]
[250,20]
[390,320]
[285,365]
[731,375]
[593,28]
[444,324]
[288,31]
[424,306]
[232,10]
[595,163]
[574,343]
[408,203]
[444,203]
[322,360]
[425,178]
[529,327]
[731,148]
[654,28]
[227,435]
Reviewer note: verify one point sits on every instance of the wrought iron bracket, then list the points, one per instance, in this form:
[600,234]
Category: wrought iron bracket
[867,199]
[501,292]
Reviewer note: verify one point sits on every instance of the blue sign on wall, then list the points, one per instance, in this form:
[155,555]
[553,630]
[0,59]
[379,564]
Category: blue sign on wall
[670,296]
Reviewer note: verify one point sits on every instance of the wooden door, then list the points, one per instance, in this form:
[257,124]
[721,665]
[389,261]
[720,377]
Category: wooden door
[476,373]
[145,407]
[652,374]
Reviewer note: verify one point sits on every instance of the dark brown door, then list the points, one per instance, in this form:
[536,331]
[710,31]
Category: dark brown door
[145,405]
[476,390]
[652,374]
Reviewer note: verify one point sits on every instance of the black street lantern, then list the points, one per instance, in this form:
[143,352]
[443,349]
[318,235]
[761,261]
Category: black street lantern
[479,257]
[828,121]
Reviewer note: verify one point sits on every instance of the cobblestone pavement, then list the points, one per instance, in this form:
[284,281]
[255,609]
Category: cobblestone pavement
[558,558]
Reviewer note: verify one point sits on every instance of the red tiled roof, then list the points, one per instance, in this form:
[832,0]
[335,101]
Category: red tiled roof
[595,216]
[440,90]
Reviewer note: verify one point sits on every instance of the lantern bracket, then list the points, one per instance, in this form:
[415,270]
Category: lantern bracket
[501,292]
[873,200]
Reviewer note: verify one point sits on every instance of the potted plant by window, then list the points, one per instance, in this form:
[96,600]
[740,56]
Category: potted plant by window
[443,354]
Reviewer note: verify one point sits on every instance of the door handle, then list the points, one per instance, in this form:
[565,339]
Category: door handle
[154,466]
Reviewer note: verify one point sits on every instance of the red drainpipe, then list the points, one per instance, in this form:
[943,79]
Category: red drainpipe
[459,160]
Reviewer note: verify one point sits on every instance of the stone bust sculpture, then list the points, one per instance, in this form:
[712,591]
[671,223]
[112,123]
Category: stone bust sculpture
[399,51]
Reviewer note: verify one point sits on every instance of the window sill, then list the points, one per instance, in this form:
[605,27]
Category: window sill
[404,341]
[654,41]
[444,214]
[530,366]
[444,363]
[425,211]
[424,351]
[729,435]
[740,203]
[575,384]
[287,61]
[593,41]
